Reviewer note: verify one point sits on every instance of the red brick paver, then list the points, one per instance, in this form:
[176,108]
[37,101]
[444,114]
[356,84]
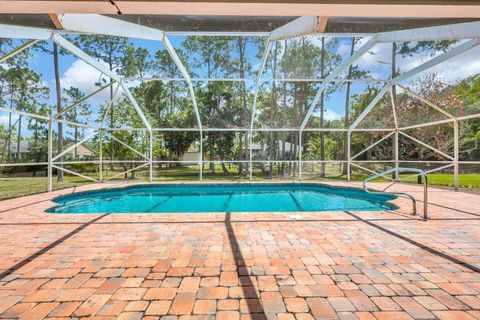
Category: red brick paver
[325,265]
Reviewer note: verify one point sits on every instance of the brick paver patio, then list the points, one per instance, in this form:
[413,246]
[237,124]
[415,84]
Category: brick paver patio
[344,265]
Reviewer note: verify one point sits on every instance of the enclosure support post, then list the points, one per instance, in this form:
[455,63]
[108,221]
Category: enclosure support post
[349,159]
[151,157]
[254,107]
[396,154]
[50,155]
[455,154]
[300,155]
[100,157]
[200,160]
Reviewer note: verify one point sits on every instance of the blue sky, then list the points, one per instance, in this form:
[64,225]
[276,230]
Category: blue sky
[74,72]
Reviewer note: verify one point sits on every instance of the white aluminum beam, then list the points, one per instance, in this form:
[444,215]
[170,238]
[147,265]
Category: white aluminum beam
[130,170]
[17,50]
[427,124]
[73,146]
[255,98]
[49,156]
[75,173]
[136,106]
[127,146]
[427,102]
[18,32]
[373,145]
[299,27]
[176,59]
[102,67]
[127,79]
[456,146]
[394,111]
[470,116]
[117,27]
[186,76]
[361,51]
[76,103]
[109,107]
[427,146]
[425,66]
[98,24]
[369,107]
[459,31]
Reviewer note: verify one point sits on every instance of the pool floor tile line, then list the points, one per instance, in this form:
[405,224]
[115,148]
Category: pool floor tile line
[296,201]
[155,207]
[227,202]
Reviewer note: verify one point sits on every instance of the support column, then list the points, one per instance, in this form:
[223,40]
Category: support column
[100,157]
[151,157]
[396,153]
[349,160]
[250,152]
[200,160]
[455,154]
[50,156]
[300,149]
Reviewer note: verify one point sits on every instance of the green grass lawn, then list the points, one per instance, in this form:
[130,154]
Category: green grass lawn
[16,187]
[20,186]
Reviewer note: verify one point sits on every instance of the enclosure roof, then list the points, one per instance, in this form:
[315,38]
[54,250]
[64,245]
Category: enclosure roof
[193,23]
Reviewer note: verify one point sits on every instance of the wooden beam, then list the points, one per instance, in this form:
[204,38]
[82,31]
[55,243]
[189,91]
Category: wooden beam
[322,24]
[56,21]
[344,8]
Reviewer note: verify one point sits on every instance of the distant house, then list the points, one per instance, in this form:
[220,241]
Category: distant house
[24,148]
[83,152]
[261,150]
[192,154]
[258,150]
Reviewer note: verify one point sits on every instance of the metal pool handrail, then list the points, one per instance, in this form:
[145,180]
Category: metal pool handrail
[414,202]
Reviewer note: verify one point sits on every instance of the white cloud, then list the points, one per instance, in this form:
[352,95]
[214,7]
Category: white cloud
[82,76]
[330,115]
[4,119]
[379,58]
[343,48]
[460,67]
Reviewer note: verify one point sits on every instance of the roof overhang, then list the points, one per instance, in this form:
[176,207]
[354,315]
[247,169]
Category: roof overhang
[330,8]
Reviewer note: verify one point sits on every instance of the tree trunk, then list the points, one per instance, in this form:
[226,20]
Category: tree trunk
[110,65]
[241,53]
[394,92]
[322,102]
[9,138]
[19,137]
[75,135]
[347,111]
[273,105]
[212,154]
[10,128]
[59,109]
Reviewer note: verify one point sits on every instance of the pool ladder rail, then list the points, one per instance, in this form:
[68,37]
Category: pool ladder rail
[403,194]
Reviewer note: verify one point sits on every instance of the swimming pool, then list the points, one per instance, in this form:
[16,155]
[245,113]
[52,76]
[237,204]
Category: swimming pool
[221,198]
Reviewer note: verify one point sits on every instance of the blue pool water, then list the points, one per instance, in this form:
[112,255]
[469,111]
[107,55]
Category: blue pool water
[221,198]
